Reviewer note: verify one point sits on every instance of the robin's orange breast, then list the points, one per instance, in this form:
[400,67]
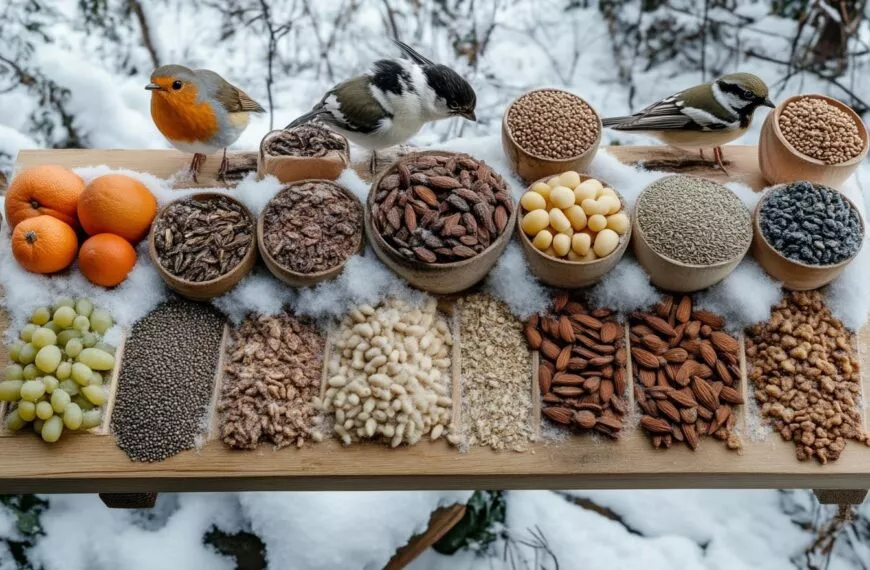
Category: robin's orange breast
[184,120]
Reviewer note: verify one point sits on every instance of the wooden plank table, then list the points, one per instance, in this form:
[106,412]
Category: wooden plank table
[92,463]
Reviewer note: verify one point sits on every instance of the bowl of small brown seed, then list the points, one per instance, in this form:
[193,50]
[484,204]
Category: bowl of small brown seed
[306,152]
[440,219]
[549,131]
[309,230]
[813,138]
[203,245]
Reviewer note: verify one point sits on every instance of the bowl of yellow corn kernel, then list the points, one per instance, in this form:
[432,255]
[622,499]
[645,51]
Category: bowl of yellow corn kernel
[574,229]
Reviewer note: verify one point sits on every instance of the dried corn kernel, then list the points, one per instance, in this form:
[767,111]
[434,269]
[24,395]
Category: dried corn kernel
[570,179]
[618,223]
[596,223]
[535,221]
[543,240]
[576,216]
[559,220]
[561,244]
[580,243]
[561,197]
[605,242]
[533,201]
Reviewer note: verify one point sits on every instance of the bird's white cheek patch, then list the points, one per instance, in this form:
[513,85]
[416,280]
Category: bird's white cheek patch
[704,118]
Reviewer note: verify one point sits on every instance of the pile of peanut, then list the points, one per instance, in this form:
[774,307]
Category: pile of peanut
[807,381]
[581,373]
[687,374]
[820,130]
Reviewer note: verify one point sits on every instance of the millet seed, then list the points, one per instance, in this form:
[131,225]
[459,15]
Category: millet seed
[553,124]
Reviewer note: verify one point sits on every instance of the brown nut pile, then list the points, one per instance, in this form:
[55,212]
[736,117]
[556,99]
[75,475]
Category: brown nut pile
[200,240]
[312,227]
[687,374]
[309,140]
[441,209]
[550,123]
[271,378]
[582,365]
[806,374]
[820,130]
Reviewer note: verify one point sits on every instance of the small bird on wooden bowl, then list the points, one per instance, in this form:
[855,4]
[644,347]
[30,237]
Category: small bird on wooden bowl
[198,111]
[391,102]
[705,116]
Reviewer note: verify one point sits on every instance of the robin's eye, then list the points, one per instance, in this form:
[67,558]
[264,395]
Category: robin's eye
[176,85]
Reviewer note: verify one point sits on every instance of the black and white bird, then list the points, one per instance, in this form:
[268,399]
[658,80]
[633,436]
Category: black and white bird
[391,102]
[705,116]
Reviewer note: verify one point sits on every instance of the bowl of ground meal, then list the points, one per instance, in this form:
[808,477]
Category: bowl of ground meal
[689,233]
[813,138]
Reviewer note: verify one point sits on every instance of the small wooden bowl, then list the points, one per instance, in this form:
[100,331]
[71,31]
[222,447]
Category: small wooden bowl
[673,275]
[794,275]
[295,168]
[204,290]
[438,278]
[531,167]
[780,162]
[566,274]
[293,278]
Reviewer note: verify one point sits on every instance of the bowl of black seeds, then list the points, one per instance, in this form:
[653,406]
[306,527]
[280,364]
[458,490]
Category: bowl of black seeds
[689,233]
[309,151]
[806,234]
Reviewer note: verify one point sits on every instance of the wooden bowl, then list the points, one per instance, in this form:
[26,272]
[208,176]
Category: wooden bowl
[439,278]
[566,274]
[204,290]
[293,278]
[780,162]
[531,167]
[673,275]
[794,275]
[295,168]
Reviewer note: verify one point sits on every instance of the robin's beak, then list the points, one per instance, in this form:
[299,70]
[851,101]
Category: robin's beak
[769,103]
[469,115]
[153,87]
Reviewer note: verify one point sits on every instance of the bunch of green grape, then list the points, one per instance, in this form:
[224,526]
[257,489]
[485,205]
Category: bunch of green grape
[55,379]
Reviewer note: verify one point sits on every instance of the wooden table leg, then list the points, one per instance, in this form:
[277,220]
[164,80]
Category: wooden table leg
[129,500]
[440,522]
[840,496]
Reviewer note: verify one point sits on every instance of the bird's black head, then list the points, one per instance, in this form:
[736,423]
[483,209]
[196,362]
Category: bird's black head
[455,94]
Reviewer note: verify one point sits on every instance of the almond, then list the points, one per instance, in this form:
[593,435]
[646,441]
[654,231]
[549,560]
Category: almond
[693,329]
[566,332]
[677,433]
[681,331]
[534,338]
[721,416]
[668,409]
[610,331]
[663,308]
[645,358]
[618,405]
[545,379]
[689,415]
[659,325]
[550,349]
[592,384]
[655,425]
[676,355]
[444,182]
[563,379]
[691,435]
[559,415]
[708,353]
[692,346]
[654,343]
[730,395]
[646,377]
[662,379]
[684,309]
[600,361]
[683,397]
[705,414]
[605,391]
[610,422]
[724,342]
[588,321]
[620,356]
[704,371]
[709,318]
[619,384]
[573,308]
[563,358]
[568,391]
[684,374]
[500,217]
[576,363]
[706,330]
[551,399]
[641,330]
[560,299]
[594,408]
[704,393]
[723,373]
[585,419]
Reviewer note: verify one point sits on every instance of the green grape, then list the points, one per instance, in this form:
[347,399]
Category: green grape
[30,372]
[14,372]
[10,390]
[67,335]
[101,320]
[70,387]
[52,326]
[44,410]
[52,430]
[83,403]
[82,324]
[27,332]
[51,384]
[81,373]
[107,348]
[64,370]
[84,307]
[63,302]
[59,401]
[48,358]
[32,390]
[96,379]
[73,347]
[41,316]
[73,416]
[89,340]
[14,421]
[43,337]
[95,395]
[27,354]
[27,411]
[96,359]
[92,418]
[14,351]
[37,424]
[64,317]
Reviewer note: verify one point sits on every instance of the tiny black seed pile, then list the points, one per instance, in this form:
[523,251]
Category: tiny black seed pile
[166,380]
[811,224]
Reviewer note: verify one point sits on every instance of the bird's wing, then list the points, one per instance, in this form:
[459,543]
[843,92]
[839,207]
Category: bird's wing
[677,112]
[349,105]
[233,99]
[413,54]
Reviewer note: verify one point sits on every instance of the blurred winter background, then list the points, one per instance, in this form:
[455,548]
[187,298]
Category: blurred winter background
[72,74]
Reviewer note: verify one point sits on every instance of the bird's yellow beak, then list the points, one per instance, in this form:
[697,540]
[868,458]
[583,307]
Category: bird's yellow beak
[769,103]
[153,87]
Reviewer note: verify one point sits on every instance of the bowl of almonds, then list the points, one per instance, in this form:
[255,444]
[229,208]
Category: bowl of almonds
[439,219]
[814,138]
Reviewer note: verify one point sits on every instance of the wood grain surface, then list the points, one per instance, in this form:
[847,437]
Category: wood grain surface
[90,463]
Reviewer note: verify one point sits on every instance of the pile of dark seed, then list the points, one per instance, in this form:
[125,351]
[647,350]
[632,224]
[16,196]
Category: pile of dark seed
[693,220]
[811,224]
[166,380]
[312,227]
[202,240]
[309,140]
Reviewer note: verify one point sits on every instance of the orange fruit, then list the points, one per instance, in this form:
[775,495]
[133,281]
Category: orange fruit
[46,190]
[106,259]
[117,204]
[44,244]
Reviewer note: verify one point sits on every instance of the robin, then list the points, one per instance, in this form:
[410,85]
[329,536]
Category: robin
[198,111]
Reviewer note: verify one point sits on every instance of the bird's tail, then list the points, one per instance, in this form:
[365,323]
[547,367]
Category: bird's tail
[306,118]
[614,121]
